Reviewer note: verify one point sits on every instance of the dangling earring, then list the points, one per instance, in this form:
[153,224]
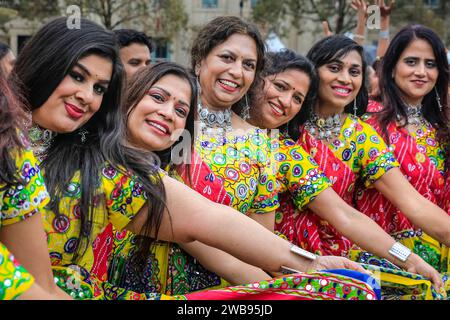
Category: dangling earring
[438,99]
[199,89]
[245,113]
[83,133]
[355,107]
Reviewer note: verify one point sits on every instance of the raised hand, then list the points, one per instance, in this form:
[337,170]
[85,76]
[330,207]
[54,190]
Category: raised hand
[326,29]
[361,8]
[385,10]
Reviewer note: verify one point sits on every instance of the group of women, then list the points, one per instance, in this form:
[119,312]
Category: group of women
[287,188]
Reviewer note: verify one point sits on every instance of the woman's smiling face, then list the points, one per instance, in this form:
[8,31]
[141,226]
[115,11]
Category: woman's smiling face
[340,81]
[155,122]
[228,71]
[283,97]
[78,96]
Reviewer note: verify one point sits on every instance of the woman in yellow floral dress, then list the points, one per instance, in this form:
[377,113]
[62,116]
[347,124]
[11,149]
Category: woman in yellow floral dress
[22,198]
[95,179]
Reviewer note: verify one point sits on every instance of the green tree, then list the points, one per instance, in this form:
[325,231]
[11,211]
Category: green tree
[155,16]
[33,10]
[416,11]
[6,14]
[282,15]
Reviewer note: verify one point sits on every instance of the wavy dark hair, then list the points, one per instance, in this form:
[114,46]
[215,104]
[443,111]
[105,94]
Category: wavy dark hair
[392,101]
[43,63]
[126,37]
[278,62]
[12,119]
[218,31]
[141,83]
[331,49]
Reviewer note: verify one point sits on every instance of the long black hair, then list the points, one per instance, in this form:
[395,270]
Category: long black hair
[278,62]
[43,63]
[392,101]
[12,119]
[330,49]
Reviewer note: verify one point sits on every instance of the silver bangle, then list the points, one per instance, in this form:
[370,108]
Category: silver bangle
[303,253]
[400,251]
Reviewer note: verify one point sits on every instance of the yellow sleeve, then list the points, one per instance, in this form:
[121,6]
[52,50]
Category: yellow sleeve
[374,156]
[299,174]
[22,201]
[14,279]
[124,193]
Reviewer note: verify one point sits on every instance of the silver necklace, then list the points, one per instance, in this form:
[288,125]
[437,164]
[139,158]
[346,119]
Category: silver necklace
[40,140]
[210,121]
[414,115]
[324,129]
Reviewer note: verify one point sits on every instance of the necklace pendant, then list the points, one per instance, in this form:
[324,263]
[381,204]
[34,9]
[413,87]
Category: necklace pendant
[320,122]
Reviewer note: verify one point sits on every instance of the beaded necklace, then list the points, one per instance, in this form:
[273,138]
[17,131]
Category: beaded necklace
[324,129]
[40,140]
[415,116]
[218,121]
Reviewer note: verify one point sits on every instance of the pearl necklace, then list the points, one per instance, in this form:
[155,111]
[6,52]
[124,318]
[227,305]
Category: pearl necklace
[219,121]
[324,129]
[40,140]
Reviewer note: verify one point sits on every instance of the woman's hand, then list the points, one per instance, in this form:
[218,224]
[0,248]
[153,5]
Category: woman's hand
[335,262]
[360,6]
[326,29]
[416,264]
[385,11]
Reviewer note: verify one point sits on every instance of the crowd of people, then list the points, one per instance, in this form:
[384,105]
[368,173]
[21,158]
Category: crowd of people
[248,175]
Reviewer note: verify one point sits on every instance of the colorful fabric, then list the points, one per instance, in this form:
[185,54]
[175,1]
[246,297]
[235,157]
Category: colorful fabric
[201,179]
[118,199]
[397,284]
[374,106]
[422,161]
[446,198]
[14,279]
[297,172]
[358,152]
[321,285]
[20,202]
[241,162]
[17,203]
[169,269]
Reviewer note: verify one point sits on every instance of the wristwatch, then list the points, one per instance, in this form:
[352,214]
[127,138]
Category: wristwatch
[400,251]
